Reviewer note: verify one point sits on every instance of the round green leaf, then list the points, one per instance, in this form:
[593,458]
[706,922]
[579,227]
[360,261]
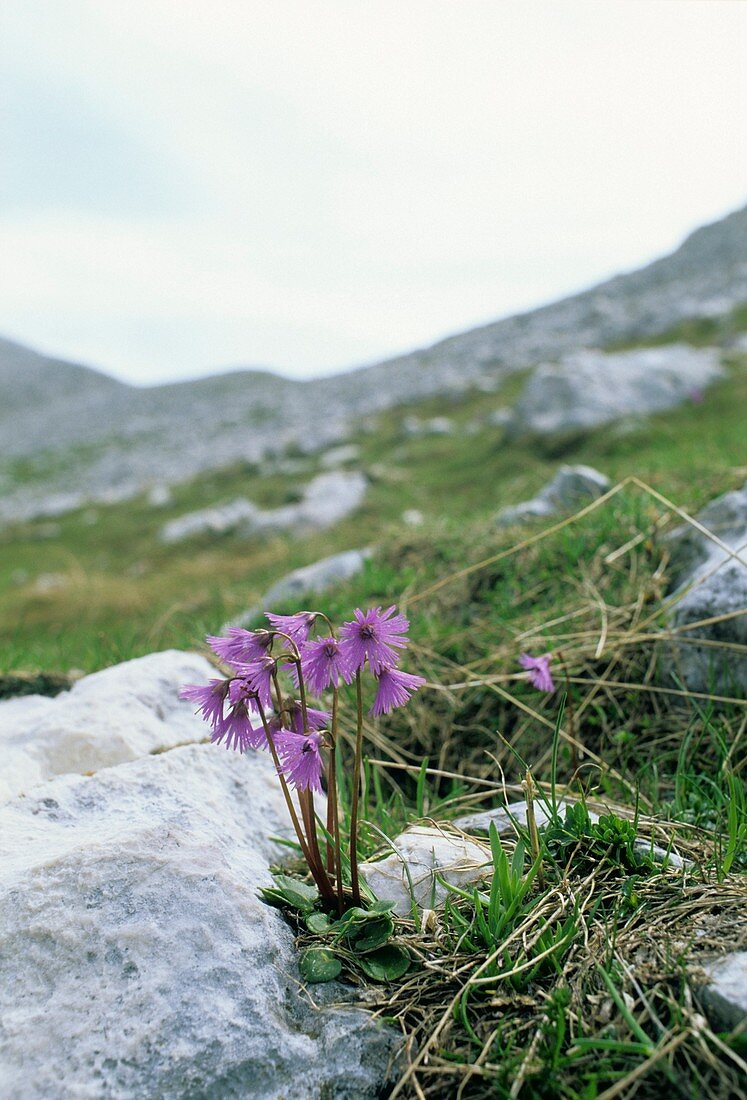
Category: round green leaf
[386,964]
[319,965]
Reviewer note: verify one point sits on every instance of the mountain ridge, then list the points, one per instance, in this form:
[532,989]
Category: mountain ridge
[110,437]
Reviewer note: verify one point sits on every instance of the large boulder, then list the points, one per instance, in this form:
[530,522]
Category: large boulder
[709,583]
[320,576]
[136,958]
[590,387]
[571,488]
[112,716]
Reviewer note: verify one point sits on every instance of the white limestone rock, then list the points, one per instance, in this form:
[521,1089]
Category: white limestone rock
[709,584]
[725,995]
[570,489]
[339,456]
[320,576]
[590,387]
[119,714]
[425,852]
[136,959]
[327,499]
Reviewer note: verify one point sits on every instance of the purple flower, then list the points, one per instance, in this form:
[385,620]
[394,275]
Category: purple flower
[237,730]
[538,671]
[374,635]
[295,626]
[256,676]
[324,662]
[293,717]
[395,688]
[210,699]
[301,759]
[241,647]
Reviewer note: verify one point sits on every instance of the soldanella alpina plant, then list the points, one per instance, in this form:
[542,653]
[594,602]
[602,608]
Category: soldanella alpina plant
[249,709]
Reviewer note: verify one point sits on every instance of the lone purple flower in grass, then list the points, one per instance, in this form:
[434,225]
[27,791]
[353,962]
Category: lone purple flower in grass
[374,635]
[538,671]
[395,688]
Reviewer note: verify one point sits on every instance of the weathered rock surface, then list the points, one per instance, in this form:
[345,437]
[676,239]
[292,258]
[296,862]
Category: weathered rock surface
[340,456]
[726,993]
[320,576]
[112,716]
[712,585]
[424,853]
[327,499]
[589,387]
[136,958]
[571,488]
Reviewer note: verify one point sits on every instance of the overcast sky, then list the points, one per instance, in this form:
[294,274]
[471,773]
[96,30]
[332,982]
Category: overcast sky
[305,185]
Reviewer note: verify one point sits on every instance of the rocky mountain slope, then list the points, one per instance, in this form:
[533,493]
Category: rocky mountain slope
[68,433]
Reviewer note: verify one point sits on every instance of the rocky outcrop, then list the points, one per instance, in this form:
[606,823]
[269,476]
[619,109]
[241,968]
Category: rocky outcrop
[570,489]
[109,717]
[588,388]
[136,958]
[326,500]
[709,612]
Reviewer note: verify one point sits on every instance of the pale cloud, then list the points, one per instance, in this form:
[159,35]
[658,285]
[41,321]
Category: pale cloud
[309,185]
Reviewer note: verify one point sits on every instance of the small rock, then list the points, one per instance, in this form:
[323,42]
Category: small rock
[726,993]
[326,500]
[500,417]
[413,517]
[50,582]
[435,425]
[339,456]
[320,576]
[570,489]
[591,387]
[506,819]
[711,586]
[425,852]
[159,496]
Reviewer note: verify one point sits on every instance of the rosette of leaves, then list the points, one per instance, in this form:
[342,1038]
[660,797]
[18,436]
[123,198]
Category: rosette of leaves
[579,843]
[360,939]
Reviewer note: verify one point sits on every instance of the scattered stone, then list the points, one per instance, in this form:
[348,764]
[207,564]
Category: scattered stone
[340,456]
[589,387]
[159,496]
[413,517]
[136,958]
[47,583]
[320,576]
[725,995]
[570,489]
[500,417]
[119,714]
[436,425]
[424,853]
[327,499]
[711,586]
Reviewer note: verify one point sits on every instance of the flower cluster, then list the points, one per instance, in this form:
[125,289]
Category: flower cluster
[248,709]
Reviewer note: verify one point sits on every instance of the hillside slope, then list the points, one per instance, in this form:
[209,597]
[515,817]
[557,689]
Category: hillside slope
[68,432]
